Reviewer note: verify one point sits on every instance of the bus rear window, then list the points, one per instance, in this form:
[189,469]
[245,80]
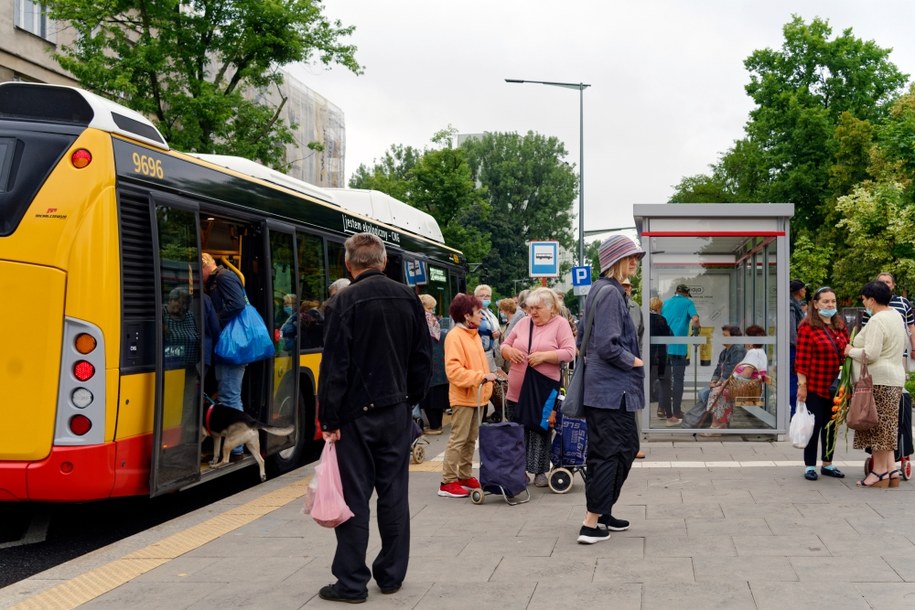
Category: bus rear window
[26,160]
[7,148]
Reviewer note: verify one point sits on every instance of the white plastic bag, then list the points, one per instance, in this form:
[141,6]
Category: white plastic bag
[801,427]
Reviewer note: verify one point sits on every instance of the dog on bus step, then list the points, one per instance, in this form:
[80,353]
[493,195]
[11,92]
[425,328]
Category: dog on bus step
[231,428]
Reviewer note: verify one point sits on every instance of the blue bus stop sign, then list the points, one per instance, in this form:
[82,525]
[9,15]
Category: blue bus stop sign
[544,259]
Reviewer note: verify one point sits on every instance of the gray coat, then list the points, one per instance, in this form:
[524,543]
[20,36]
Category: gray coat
[612,349]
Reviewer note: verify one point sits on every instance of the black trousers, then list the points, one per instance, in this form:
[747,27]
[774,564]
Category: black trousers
[613,441]
[822,413]
[374,453]
[676,373]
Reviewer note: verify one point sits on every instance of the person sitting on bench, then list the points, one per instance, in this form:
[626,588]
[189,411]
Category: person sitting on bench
[752,367]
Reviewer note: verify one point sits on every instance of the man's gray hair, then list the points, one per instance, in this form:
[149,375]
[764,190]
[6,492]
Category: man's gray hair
[480,288]
[365,251]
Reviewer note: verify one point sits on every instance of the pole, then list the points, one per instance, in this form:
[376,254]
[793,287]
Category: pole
[581,153]
[581,174]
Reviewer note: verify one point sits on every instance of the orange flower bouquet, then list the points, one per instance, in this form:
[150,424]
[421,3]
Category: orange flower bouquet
[840,403]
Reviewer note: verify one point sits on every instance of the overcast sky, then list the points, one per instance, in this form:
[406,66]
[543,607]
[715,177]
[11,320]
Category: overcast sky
[667,78]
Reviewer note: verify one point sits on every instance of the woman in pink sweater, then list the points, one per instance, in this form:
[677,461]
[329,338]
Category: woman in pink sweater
[544,341]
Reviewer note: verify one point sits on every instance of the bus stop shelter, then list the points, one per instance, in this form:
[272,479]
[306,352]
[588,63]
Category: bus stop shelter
[733,260]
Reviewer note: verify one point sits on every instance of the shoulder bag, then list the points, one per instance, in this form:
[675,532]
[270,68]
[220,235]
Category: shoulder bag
[862,409]
[574,403]
[537,397]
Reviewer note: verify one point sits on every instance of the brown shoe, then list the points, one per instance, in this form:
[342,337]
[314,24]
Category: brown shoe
[640,455]
[433,431]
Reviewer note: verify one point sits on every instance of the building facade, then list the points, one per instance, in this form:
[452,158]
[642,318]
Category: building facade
[28,40]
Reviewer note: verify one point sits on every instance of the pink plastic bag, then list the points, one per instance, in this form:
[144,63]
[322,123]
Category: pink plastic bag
[325,493]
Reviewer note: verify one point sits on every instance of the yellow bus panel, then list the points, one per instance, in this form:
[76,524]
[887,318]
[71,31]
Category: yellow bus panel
[31,327]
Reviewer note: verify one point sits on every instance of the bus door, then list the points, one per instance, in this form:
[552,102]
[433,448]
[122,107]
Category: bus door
[179,345]
[287,317]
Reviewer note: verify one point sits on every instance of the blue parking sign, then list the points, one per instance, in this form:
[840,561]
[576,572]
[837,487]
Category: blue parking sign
[581,276]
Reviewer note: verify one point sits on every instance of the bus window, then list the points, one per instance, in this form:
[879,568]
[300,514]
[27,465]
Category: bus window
[438,288]
[180,272]
[285,301]
[336,268]
[311,283]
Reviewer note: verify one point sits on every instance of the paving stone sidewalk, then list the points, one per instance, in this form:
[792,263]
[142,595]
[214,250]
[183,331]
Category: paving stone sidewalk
[716,523]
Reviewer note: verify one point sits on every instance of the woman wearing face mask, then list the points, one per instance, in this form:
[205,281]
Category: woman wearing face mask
[882,345]
[821,341]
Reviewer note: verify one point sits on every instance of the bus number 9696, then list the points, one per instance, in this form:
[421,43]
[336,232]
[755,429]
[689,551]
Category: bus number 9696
[147,166]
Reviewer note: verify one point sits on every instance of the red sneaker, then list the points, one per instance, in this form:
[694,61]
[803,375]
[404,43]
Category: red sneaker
[452,490]
[469,484]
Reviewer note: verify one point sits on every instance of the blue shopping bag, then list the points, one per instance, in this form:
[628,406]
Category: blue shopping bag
[244,339]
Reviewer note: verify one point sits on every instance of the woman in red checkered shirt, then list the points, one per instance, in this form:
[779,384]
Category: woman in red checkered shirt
[821,341]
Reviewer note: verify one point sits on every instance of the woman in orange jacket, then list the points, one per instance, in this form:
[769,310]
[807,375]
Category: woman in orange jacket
[467,369]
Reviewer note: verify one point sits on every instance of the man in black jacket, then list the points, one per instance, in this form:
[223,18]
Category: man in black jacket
[376,364]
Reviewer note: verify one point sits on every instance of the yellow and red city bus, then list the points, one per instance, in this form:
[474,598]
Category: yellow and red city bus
[101,230]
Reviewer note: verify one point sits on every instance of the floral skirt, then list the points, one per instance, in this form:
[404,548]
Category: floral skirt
[884,435]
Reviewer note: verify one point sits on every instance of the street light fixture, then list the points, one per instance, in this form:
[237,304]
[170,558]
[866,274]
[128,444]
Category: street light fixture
[581,153]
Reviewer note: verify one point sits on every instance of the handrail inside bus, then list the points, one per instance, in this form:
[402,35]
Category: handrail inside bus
[228,265]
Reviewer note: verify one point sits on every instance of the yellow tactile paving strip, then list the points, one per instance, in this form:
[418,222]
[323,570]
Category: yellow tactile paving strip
[112,575]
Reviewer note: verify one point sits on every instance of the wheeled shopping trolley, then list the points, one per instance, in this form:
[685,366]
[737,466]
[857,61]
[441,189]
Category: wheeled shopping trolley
[502,460]
[418,446]
[568,453]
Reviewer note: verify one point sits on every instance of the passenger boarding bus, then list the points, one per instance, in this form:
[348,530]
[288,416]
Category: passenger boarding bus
[102,227]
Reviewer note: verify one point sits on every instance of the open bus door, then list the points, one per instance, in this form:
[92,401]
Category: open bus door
[175,459]
[284,407]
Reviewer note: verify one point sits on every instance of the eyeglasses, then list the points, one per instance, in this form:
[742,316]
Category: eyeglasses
[820,291]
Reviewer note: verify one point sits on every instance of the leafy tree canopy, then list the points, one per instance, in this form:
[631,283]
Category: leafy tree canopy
[801,91]
[188,64]
[437,181]
[530,190]
[830,134]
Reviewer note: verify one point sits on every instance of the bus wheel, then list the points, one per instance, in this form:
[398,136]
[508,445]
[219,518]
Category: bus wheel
[291,458]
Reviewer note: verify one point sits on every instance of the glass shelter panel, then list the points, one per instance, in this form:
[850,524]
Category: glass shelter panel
[706,294]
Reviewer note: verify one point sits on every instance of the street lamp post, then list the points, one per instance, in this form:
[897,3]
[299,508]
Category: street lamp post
[581,153]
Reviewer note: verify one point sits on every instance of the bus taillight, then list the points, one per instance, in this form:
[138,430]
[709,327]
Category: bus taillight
[81,158]
[83,370]
[80,425]
[85,343]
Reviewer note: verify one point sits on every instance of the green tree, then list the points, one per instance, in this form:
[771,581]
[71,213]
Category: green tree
[530,190]
[391,175]
[879,218]
[439,182]
[189,64]
[801,91]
